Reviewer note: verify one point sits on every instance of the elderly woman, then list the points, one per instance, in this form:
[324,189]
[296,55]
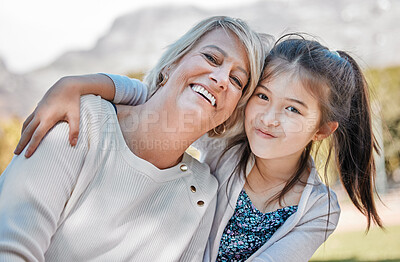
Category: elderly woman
[127,191]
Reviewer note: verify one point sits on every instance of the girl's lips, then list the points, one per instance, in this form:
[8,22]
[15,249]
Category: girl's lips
[264,134]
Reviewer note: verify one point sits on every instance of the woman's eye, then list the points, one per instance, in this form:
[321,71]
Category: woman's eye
[210,58]
[263,97]
[237,81]
[293,109]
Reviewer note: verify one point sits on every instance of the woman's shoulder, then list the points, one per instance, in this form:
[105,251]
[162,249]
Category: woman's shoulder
[95,110]
[97,117]
[93,106]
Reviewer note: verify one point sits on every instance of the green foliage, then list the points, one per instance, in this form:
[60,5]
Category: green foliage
[385,86]
[9,135]
[377,245]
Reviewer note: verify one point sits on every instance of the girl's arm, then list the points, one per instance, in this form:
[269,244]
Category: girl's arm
[61,103]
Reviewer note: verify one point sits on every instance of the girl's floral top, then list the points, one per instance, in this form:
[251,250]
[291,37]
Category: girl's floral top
[249,229]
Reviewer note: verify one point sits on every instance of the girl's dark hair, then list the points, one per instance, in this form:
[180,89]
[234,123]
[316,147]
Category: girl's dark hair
[335,79]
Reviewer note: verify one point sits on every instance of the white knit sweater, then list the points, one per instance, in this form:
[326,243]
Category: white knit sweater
[97,201]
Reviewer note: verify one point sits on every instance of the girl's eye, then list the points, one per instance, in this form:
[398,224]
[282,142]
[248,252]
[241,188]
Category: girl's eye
[210,58]
[237,81]
[293,109]
[263,97]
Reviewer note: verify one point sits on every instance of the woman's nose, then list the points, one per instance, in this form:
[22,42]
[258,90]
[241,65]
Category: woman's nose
[220,76]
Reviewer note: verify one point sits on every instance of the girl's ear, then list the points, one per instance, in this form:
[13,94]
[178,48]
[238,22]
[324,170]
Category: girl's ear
[325,130]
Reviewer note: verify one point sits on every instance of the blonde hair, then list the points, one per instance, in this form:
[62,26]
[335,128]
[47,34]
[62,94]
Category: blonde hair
[252,42]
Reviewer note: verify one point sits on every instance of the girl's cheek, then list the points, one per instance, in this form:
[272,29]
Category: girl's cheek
[293,126]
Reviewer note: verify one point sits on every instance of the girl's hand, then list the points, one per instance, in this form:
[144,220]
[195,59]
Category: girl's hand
[60,103]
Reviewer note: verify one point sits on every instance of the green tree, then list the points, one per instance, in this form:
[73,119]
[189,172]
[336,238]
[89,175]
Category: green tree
[385,86]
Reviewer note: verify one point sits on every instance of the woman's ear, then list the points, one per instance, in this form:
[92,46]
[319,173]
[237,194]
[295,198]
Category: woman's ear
[166,70]
[169,69]
[164,75]
[325,130]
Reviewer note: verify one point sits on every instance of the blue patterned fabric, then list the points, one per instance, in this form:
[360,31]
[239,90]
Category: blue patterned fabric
[249,229]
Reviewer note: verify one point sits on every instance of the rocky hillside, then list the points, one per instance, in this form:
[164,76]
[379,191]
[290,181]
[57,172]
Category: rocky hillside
[13,93]
[367,28]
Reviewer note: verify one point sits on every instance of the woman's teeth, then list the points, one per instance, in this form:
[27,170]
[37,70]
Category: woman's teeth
[205,93]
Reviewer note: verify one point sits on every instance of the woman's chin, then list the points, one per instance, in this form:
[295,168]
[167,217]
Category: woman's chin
[196,108]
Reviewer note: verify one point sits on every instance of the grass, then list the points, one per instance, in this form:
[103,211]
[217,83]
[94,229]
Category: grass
[377,245]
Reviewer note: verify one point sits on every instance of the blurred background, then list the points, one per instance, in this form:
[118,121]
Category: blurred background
[43,40]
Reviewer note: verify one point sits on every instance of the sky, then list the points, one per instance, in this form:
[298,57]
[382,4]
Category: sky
[35,32]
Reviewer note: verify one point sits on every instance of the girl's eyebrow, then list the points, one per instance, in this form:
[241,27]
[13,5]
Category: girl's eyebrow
[226,55]
[298,102]
[264,87]
[287,98]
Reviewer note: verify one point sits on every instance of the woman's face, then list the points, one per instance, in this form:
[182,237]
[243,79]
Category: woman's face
[206,84]
[281,118]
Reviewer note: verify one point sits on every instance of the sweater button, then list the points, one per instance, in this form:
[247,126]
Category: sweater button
[193,189]
[200,203]
[183,167]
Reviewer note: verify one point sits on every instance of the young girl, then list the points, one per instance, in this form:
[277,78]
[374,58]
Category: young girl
[274,207]
[271,204]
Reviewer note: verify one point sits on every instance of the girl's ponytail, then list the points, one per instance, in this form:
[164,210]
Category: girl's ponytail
[355,143]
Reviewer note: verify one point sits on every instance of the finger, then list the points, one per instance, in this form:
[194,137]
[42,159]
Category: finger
[26,136]
[73,120]
[27,121]
[37,137]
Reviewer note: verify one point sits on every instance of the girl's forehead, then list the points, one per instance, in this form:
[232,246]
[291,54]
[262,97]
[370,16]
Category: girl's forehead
[297,77]
[282,83]
[288,86]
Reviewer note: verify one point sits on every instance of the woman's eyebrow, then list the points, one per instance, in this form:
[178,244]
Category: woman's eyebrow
[216,47]
[226,55]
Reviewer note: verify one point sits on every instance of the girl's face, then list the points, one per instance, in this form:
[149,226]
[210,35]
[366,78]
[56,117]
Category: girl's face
[281,118]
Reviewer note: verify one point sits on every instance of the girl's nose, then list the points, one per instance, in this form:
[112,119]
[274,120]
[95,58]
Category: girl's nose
[270,118]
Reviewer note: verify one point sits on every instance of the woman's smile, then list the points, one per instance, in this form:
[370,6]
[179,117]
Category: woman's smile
[205,93]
